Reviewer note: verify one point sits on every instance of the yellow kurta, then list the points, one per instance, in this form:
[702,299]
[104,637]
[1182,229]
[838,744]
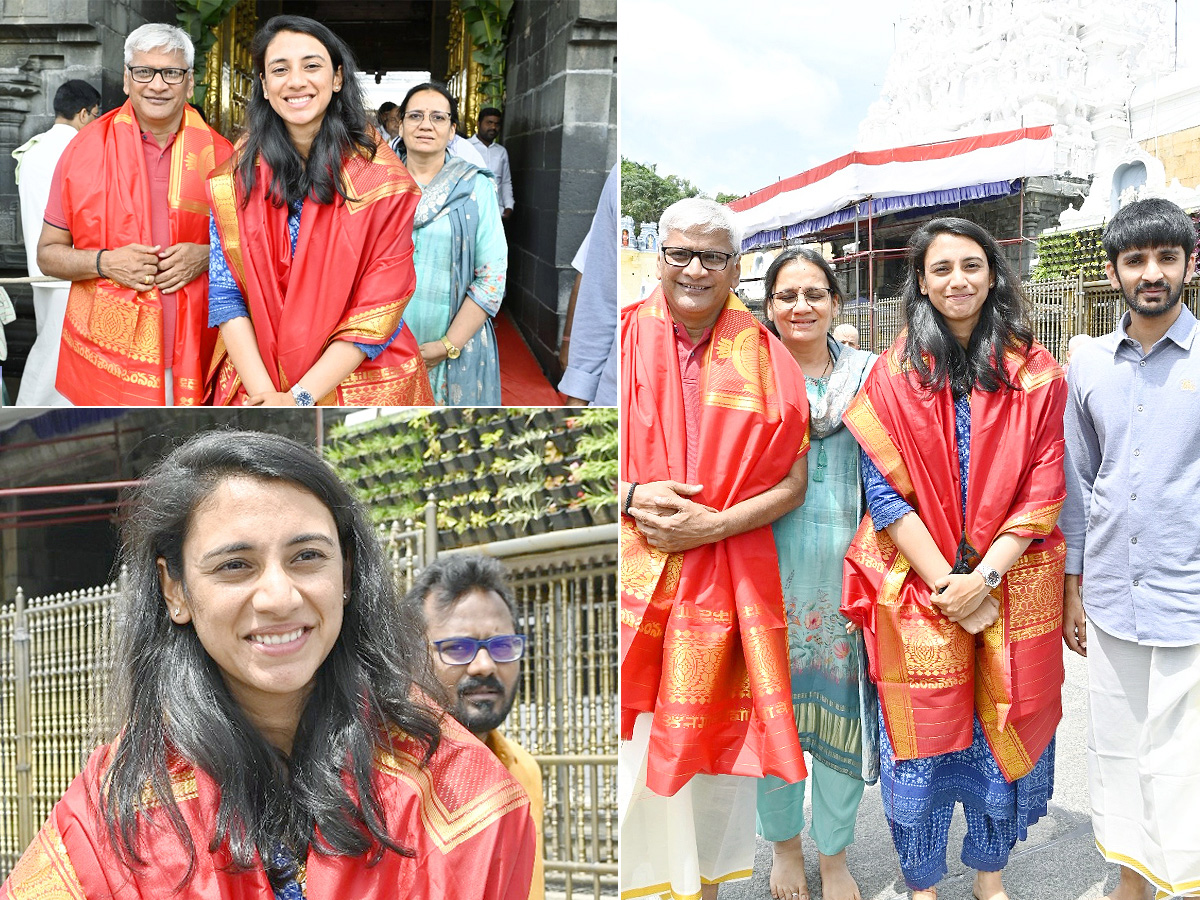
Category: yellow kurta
[525,769]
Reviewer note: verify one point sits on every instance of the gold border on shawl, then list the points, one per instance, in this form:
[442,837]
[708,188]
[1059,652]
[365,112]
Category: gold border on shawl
[183,787]
[451,827]
[1012,757]
[893,669]
[1031,381]
[362,199]
[185,158]
[642,566]
[758,380]
[224,209]
[863,419]
[45,871]
[390,386]
[1040,521]
[692,660]
[93,358]
[376,324]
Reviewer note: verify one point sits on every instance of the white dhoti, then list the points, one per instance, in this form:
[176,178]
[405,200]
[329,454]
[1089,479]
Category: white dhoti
[1144,758]
[670,846]
[41,368]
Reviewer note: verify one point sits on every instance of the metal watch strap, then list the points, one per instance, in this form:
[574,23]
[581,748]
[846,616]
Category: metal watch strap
[452,352]
[990,576]
[302,396]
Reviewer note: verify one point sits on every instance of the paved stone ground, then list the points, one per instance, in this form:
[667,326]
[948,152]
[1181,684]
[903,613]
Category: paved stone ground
[1058,861]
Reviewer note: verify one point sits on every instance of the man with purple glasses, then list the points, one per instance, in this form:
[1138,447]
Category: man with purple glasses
[470,622]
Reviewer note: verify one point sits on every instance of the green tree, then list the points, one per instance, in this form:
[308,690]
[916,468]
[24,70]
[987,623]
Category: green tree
[722,197]
[645,193]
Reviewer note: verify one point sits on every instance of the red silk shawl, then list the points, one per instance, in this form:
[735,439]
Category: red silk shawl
[703,633]
[112,352]
[467,820]
[931,674]
[350,279]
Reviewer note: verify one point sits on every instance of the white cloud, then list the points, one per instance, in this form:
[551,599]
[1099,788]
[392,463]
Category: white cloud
[733,96]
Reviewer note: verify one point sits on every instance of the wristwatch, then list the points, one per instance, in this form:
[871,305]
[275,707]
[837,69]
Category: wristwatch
[990,576]
[452,352]
[302,396]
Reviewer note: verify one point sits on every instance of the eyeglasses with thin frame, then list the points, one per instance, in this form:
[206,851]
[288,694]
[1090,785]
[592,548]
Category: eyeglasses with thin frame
[145,74]
[681,257]
[416,117]
[461,651]
[812,296]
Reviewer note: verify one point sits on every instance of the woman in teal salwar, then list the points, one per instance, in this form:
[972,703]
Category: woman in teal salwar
[459,251]
[833,700]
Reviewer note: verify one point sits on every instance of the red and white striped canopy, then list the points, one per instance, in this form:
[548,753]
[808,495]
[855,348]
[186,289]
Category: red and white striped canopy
[919,169]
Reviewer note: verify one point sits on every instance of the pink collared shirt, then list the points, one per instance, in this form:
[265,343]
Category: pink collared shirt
[690,354]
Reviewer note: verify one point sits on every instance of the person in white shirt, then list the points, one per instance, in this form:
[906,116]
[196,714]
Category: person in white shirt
[494,155]
[76,103]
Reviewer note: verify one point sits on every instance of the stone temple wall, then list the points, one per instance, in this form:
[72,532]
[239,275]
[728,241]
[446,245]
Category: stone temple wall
[560,129]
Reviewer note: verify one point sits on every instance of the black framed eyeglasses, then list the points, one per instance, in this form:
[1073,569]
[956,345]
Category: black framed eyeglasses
[812,296]
[713,260]
[460,651]
[145,74]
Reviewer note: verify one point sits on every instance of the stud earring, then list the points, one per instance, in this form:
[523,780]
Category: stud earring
[177,611]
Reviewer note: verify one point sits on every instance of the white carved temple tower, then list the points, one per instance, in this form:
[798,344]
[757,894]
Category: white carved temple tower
[965,67]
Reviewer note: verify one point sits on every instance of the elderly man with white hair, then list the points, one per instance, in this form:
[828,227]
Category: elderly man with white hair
[127,224]
[715,429]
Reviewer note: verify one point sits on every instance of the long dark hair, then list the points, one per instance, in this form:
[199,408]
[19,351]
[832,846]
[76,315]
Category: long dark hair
[170,700]
[931,351]
[344,129]
[798,254]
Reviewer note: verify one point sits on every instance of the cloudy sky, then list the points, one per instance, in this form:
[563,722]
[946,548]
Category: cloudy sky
[735,94]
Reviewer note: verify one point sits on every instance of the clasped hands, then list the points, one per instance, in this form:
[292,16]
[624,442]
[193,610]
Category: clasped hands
[670,521]
[140,267]
[965,600]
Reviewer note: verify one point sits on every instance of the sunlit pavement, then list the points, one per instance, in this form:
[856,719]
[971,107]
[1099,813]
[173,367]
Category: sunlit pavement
[1058,861]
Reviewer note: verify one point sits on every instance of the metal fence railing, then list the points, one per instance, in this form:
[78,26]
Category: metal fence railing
[1061,309]
[54,657]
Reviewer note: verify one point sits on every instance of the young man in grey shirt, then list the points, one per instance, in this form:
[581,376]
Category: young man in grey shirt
[1132,593]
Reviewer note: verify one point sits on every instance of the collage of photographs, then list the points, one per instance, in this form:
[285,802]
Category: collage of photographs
[677,481]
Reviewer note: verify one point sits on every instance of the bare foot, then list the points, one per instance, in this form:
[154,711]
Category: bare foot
[836,881]
[927,894]
[1132,886]
[989,886]
[787,871]
[709,891]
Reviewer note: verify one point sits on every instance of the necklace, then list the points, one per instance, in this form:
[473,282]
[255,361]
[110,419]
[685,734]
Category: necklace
[825,371]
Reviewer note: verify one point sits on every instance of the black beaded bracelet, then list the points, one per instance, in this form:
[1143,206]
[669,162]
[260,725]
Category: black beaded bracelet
[99,274]
[629,498]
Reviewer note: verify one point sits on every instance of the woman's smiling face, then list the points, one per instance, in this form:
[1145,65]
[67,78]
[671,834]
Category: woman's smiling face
[299,80]
[263,585]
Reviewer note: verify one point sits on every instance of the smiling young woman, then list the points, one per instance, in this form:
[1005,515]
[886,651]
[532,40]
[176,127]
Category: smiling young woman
[961,427]
[311,262]
[273,726]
